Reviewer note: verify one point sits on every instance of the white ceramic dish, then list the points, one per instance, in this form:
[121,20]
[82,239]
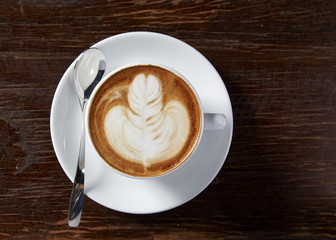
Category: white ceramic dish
[142,196]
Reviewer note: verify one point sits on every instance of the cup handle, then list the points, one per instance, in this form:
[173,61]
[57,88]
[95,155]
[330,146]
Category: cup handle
[214,121]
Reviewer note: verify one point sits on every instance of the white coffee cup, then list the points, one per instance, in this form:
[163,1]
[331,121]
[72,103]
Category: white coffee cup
[209,121]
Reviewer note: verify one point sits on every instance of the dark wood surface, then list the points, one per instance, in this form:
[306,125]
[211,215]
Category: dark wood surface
[278,61]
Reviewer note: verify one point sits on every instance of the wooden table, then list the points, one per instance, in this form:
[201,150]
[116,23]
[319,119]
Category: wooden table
[278,62]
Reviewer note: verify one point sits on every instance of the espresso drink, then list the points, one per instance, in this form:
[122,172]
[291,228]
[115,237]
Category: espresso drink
[145,121]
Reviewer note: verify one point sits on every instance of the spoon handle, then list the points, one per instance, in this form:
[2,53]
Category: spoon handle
[77,194]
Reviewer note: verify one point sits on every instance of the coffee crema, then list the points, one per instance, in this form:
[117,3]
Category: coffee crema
[145,121]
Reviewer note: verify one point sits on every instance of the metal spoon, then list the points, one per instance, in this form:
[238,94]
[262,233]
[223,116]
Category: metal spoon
[88,71]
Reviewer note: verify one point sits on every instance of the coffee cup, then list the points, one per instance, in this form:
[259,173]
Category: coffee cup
[146,120]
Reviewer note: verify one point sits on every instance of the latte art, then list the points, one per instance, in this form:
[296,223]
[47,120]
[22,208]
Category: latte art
[147,131]
[145,121]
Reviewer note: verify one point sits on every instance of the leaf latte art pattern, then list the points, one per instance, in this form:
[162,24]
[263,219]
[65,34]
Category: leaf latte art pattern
[148,131]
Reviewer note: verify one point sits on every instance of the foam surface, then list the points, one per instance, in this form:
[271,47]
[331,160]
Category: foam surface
[145,121]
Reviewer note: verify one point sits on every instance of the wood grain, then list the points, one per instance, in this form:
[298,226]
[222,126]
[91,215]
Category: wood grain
[277,59]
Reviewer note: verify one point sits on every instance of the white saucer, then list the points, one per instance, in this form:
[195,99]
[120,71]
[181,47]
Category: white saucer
[129,195]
